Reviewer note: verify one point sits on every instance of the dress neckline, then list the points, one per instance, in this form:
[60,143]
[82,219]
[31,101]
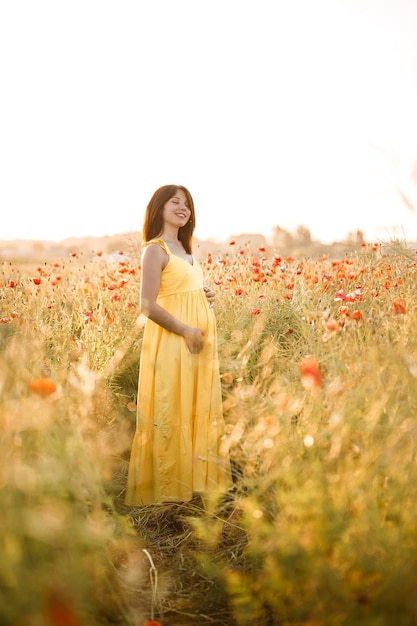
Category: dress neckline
[190,256]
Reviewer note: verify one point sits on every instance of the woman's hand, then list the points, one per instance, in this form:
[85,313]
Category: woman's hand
[210,295]
[194,338]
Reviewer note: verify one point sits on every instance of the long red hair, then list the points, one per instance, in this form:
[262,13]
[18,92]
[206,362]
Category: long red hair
[153,221]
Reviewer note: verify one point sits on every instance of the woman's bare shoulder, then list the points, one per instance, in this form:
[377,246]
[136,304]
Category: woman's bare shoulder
[155,252]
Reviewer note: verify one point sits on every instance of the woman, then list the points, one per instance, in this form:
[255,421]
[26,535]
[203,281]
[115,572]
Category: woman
[178,449]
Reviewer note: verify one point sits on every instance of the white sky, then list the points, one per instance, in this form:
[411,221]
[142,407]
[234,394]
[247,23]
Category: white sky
[267,110]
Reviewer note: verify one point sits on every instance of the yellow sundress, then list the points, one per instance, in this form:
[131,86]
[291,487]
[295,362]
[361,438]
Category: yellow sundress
[178,448]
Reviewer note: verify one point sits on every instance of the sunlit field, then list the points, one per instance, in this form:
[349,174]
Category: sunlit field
[318,361]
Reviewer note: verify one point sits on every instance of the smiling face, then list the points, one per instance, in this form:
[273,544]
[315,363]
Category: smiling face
[176,211]
[170,208]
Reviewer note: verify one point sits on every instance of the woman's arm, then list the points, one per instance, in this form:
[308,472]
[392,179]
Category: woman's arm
[154,260]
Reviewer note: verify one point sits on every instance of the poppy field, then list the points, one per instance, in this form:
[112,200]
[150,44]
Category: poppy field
[318,361]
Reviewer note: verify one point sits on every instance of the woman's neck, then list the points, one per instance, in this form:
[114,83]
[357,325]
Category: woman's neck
[170,235]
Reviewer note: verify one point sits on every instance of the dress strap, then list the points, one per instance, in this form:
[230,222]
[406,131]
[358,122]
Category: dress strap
[159,242]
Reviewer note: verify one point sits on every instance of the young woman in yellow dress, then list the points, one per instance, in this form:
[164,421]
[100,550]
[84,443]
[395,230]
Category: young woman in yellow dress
[178,449]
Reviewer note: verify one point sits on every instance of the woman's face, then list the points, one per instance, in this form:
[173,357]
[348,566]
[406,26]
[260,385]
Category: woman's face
[176,211]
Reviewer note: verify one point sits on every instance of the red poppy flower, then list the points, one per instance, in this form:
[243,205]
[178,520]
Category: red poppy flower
[344,311]
[311,377]
[89,315]
[59,610]
[256,311]
[43,386]
[333,325]
[353,296]
[398,307]
[36,280]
